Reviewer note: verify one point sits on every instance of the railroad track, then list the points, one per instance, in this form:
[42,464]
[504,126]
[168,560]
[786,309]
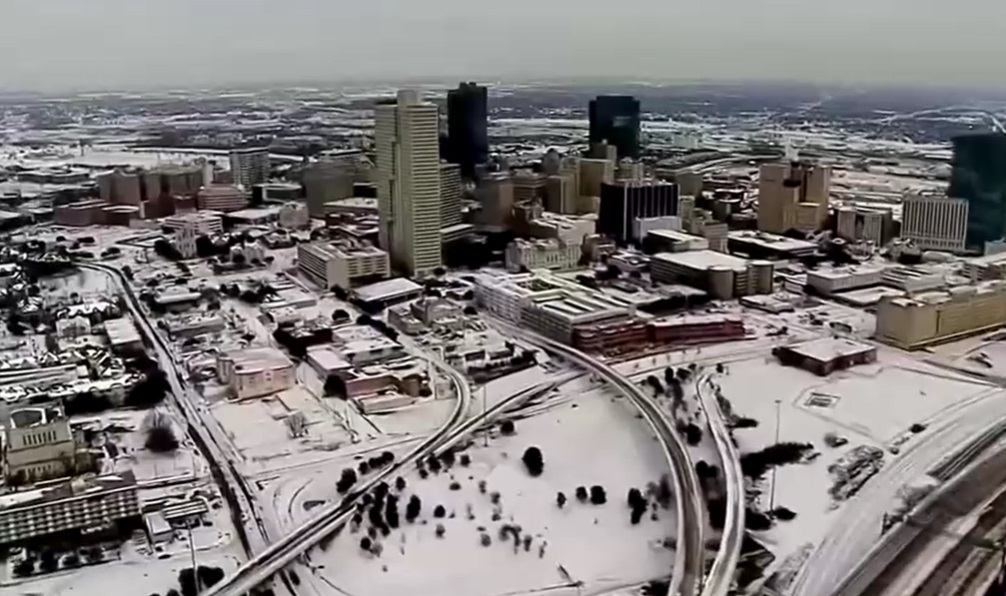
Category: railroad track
[902,546]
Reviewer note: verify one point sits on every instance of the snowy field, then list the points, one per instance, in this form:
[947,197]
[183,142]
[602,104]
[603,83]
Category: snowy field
[257,428]
[872,404]
[130,452]
[587,437]
[127,576]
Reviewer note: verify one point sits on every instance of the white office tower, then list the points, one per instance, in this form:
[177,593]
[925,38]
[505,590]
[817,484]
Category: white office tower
[408,182]
[935,222]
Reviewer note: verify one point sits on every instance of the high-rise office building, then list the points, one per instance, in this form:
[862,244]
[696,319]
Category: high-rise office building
[792,196]
[450,194]
[979,177]
[935,223]
[614,119]
[327,180]
[250,166]
[408,182]
[561,193]
[496,196]
[624,201]
[467,127]
[594,173]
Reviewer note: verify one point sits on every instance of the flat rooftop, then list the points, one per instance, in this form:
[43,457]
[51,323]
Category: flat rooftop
[674,235]
[388,289]
[771,241]
[67,490]
[828,348]
[702,259]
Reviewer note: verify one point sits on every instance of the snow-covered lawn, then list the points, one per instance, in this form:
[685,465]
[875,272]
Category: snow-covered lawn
[587,437]
[869,405]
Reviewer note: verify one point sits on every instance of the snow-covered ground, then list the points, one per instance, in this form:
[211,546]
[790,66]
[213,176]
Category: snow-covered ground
[587,437]
[869,405]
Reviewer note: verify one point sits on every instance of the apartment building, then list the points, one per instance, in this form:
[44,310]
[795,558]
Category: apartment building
[342,264]
[100,504]
[250,167]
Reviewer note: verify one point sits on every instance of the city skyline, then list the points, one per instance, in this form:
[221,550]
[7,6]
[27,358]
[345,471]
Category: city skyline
[106,44]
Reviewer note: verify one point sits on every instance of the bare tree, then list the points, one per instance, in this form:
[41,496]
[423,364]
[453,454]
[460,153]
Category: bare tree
[296,424]
[160,431]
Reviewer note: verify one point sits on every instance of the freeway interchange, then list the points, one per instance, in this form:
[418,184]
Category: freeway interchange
[273,554]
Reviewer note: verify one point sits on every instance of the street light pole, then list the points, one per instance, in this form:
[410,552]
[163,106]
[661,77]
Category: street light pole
[771,498]
[192,553]
[485,412]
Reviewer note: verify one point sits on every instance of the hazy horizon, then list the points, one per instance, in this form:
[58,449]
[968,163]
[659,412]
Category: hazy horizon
[79,45]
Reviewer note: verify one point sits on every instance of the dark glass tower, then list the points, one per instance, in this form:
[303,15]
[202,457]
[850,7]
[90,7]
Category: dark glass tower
[615,119]
[467,123]
[979,176]
[623,202]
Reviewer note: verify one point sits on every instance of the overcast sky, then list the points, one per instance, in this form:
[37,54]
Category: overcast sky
[103,44]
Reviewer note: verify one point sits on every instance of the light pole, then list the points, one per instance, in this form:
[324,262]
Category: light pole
[485,412]
[771,498]
[192,553]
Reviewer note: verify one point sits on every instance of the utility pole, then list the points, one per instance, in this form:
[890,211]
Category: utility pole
[485,412]
[192,553]
[771,498]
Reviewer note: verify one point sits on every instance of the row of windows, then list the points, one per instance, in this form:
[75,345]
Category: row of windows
[35,439]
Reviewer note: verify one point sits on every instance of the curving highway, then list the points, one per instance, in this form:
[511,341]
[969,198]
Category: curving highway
[855,532]
[284,551]
[689,556]
[721,574]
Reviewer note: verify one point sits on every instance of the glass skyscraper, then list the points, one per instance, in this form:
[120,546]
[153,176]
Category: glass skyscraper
[614,119]
[979,177]
[467,127]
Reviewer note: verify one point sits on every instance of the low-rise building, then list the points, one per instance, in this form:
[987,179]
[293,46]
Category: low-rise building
[547,304]
[342,264]
[294,216]
[255,372]
[189,326]
[673,241]
[38,443]
[721,275]
[554,255]
[222,197]
[100,504]
[935,317]
[365,351]
[913,279]
[627,336]
[762,245]
[190,226]
[839,279]
[123,337]
[826,355]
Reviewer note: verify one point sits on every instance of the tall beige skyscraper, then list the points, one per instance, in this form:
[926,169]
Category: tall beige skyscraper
[792,195]
[408,182]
